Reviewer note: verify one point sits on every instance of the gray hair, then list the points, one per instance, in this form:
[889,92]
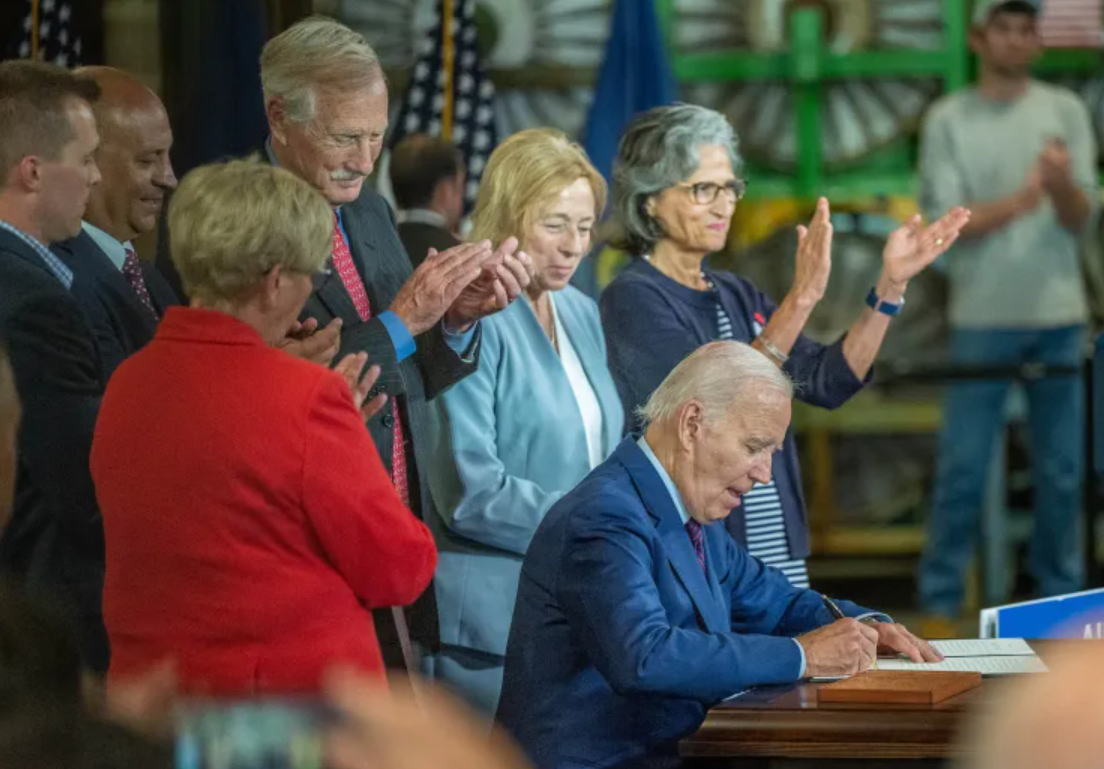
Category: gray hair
[658,150]
[314,54]
[717,375]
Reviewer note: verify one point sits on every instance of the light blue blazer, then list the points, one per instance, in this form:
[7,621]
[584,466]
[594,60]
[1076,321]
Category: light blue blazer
[508,443]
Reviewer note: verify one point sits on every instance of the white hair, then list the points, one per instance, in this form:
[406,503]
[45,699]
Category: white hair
[313,54]
[717,375]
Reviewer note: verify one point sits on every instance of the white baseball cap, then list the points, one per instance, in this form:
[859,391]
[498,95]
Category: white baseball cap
[984,9]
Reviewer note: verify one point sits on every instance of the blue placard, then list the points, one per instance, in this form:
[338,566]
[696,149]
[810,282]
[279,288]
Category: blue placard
[1078,615]
[1097,396]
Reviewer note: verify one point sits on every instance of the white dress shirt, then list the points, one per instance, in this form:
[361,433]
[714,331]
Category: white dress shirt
[587,401]
[115,250]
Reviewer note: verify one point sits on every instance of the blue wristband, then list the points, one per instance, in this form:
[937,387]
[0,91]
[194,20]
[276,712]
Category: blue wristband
[886,308]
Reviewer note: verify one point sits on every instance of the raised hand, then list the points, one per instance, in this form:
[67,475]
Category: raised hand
[350,368]
[433,288]
[502,280]
[911,248]
[814,257]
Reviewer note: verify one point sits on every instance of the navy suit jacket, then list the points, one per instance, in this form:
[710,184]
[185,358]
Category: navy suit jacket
[620,642]
[121,325]
[55,537]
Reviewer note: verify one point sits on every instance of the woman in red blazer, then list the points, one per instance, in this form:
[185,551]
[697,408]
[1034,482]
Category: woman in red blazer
[250,525]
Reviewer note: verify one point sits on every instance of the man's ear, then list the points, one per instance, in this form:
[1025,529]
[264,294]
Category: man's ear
[26,174]
[690,423]
[976,39]
[276,113]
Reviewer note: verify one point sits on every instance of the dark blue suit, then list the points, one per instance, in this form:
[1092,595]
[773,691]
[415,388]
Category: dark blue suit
[121,325]
[620,642]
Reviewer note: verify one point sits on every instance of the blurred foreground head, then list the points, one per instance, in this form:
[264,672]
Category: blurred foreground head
[1047,721]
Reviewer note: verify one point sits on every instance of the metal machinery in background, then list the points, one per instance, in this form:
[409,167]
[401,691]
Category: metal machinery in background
[827,94]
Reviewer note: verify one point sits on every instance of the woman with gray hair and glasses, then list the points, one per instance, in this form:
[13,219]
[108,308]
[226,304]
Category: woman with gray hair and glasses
[676,186]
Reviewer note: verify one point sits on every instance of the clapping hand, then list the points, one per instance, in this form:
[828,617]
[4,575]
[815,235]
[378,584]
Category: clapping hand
[350,368]
[911,247]
[1054,165]
[433,288]
[504,277]
[814,257]
[305,340]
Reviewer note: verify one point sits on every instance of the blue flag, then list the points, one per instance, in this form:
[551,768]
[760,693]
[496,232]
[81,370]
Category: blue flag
[635,76]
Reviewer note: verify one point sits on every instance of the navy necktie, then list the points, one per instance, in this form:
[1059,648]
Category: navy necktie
[697,539]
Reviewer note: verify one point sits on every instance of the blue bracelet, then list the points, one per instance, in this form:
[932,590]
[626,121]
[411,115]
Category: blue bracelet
[886,308]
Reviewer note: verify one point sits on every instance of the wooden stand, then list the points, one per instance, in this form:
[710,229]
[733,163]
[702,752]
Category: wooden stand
[899,687]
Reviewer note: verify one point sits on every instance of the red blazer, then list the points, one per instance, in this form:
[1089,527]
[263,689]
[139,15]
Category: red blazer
[248,521]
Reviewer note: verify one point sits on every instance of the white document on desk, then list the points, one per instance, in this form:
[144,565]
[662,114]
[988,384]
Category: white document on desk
[988,647]
[990,657]
[987,666]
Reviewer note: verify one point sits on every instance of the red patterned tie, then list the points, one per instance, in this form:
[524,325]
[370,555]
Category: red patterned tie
[132,271]
[350,278]
[697,539]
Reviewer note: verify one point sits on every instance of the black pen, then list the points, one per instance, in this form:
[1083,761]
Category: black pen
[830,605]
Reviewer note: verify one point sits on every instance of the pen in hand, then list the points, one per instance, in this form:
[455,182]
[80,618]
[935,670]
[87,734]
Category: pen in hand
[830,605]
[837,614]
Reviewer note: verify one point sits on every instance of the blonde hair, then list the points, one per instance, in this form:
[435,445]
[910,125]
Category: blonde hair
[525,173]
[315,54]
[718,375]
[230,223]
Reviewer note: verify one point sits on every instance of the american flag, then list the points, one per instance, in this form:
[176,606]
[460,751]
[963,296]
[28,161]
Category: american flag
[1072,23]
[449,94]
[53,30]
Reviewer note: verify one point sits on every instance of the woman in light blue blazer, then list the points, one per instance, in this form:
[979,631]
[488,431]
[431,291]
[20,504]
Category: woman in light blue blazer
[541,411]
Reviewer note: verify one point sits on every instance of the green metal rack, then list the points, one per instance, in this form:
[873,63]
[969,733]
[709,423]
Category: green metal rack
[808,64]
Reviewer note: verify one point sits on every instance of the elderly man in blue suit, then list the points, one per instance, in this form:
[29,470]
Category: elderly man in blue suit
[636,611]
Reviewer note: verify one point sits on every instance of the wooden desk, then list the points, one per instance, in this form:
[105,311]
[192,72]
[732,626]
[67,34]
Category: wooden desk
[786,726]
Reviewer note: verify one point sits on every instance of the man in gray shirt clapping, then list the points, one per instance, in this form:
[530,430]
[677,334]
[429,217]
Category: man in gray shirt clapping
[1020,155]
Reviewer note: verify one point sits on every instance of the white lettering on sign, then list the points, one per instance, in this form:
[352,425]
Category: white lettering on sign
[1094,631]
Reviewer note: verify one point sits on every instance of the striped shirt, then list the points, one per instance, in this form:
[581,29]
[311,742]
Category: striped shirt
[762,508]
[50,262]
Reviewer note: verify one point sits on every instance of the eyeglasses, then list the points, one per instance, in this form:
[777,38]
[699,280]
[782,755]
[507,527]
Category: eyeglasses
[704,193]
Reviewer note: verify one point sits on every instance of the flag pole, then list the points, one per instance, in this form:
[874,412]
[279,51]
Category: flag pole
[448,55]
[34,29]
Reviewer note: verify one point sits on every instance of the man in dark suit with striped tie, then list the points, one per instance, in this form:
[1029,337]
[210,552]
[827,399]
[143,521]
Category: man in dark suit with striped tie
[122,296]
[326,103]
